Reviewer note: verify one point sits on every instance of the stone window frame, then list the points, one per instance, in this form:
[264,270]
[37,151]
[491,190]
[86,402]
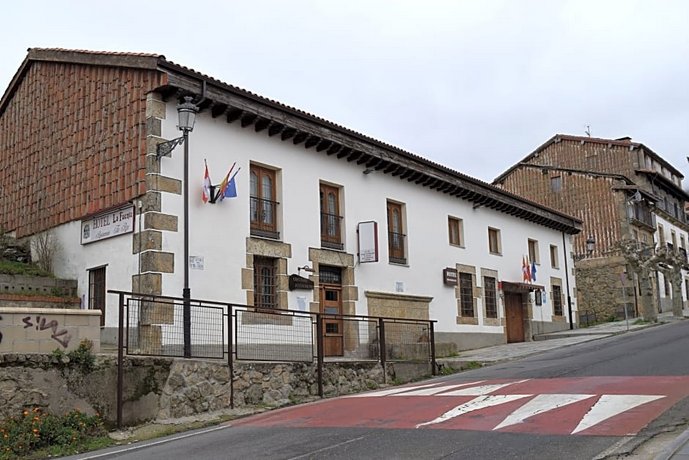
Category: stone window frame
[280,251]
[403,257]
[476,293]
[257,228]
[489,320]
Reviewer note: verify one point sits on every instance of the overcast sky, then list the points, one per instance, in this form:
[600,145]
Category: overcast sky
[475,85]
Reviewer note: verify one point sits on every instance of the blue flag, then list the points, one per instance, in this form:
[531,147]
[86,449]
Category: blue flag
[231,189]
[533,271]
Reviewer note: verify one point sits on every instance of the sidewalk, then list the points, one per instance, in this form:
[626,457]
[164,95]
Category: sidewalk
[675,450]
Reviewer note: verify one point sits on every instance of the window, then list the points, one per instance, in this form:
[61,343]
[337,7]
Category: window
[466,294]
[673,238]
[265,282]
[494,241]
[331,221]
[97,292]
[533,252]
[661,235]
[263,207]
[554,262]
[489,295]
[556,184]
[396,234]
[454,228]
[557,300]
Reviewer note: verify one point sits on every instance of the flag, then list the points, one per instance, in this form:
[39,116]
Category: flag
[525,270]
[231,190]
[206,185]
[528,270]
[533,271]
[225,182]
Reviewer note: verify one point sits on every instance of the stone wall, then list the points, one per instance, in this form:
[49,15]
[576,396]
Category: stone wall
[162,388]
[599,287]
[35,285]
[42,330]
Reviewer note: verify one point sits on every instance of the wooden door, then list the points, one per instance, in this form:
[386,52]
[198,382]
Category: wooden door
[331,304]
[514,313]
[97,291]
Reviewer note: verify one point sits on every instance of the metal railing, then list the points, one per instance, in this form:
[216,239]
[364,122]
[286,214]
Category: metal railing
[151,325]
[331,230]
[263,216]
[396,247]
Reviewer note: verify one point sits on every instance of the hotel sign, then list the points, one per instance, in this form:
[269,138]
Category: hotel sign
[107,225]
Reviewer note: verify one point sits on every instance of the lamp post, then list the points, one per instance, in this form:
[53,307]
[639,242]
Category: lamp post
[186,112]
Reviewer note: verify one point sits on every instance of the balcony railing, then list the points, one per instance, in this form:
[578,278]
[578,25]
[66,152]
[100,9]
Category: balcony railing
[331,231]
[396,247]
[263,215]
[641,214]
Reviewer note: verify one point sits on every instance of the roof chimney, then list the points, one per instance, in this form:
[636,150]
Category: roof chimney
[624,139]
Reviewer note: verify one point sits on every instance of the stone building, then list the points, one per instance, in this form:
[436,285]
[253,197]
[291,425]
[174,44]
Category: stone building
[620,189]
[363,227]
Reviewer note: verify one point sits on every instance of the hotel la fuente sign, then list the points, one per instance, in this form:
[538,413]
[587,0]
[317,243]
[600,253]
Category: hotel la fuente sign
[108,224]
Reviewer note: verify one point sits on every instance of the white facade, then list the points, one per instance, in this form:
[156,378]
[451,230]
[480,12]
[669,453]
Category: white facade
[218,233]
[679,239]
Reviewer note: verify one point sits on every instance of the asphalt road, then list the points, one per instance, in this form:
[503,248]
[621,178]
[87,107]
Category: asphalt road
[500,412]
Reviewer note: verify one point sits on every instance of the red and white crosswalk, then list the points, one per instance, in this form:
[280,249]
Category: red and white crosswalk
[604,406]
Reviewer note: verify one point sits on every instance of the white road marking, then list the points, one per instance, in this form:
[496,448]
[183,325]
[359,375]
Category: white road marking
[609,406]
[480,390]
[434,390]
[475,404]
[391,391]
[538,405]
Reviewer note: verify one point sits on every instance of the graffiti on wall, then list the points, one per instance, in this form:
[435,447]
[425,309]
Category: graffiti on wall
[42,324]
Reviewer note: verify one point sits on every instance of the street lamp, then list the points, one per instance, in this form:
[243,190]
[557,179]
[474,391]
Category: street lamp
[186,112]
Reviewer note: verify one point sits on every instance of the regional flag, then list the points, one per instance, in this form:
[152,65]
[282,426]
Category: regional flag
[206,185]
[533,271]
[231,190]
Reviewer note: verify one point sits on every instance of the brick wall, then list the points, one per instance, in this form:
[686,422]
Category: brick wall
[72,141]
[591,199]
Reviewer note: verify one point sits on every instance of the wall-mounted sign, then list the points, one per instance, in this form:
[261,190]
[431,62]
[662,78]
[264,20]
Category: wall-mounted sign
[108,224]
[299,282]
[450,276]
[368,241]
[539,298]
[196,262]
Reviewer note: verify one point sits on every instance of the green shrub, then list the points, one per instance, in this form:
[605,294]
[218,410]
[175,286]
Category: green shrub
[35,430]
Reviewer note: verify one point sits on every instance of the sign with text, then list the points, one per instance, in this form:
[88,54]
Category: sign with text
[107,225]
[368,241]
[450,276]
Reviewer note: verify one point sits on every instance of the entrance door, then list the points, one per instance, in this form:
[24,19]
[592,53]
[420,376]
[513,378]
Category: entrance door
[331,304]
[514,313]
[97,291]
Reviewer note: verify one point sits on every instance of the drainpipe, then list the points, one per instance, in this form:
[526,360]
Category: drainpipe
[569,297]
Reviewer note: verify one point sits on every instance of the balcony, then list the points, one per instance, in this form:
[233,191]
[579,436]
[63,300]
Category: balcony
[396,248]
[641,215]
[263,215]
[331,231]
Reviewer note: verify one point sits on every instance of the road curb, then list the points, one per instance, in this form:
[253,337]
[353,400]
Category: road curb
[674,446]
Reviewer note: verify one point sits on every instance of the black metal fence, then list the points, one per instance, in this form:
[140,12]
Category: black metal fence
[153,326]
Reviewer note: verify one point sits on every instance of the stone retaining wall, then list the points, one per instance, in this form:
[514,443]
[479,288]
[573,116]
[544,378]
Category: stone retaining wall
[36,285]
[162,388]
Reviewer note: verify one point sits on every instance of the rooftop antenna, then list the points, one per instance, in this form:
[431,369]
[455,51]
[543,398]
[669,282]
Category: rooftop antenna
[588,130]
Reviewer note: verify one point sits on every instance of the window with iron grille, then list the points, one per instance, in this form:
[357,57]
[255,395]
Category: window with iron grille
[557,300]
[97,291]
[331,220]
[490,297]
[265,282]
[466,294]
[262,204]
[329,275]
